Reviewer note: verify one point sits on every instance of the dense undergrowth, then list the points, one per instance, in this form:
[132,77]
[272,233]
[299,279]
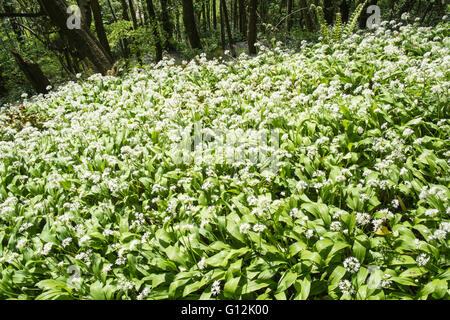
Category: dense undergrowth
[95,206]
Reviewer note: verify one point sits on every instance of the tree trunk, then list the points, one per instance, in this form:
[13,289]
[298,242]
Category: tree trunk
[236,16]
[86,13]
[189,24]
[204,22]
[214,14]
[133,14]
[33,73]
[242,17]
[222,27]
[365,15]
[3,90]
[227,24]
[345,11]
[251,38]
[99,27]
[328,11]
[305,16]
[127,18]
[154,28]
[288,15]
[123,45]
[208,13]
[81,39]
[169,43]
[262,11]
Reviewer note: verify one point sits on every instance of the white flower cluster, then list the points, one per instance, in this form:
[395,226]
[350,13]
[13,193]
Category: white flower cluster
[352,264]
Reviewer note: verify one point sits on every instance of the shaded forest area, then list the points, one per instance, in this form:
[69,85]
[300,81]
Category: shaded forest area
[38,49]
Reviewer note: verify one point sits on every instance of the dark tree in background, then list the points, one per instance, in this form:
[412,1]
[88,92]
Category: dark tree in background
[227,25]
[154,28]
[252,28]
[99,27]
[126,32]
[190,25]
[81,39]
[169,42]
[33,73]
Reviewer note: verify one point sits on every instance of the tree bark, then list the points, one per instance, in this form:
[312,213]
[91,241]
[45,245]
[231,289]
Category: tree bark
[99,27]
[242,17]
[288,15]
[33,73]
[251,38]
[133,14]
[86,13]
[127,18]
[167,25]
[222,27]
[3,90]
[155,31]
[328,11]
[214,14]
[82,39]
[228,27]
[345,11]
[189,24]
[208,13]
[306,16]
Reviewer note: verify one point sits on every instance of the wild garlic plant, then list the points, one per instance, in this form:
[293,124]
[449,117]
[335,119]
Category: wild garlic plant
[94,206]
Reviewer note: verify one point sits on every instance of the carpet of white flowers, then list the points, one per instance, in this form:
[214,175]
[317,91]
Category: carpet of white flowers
[93,207]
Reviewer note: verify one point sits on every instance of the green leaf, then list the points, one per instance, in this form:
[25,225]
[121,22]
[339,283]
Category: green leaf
[231,287]
[405,281]
[375,278]
[96,291]
[287,280]
[336,276]
[440,288]
[359,251]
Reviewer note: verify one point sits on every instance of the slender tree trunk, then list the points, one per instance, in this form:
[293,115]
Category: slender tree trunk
[167,26]
[125,16]
[282,5]
[133,14]
[288,15]
[222,27]
[99,27]
[3,90]
[262,11]
[178,28]
[208,13]
[81,39]
[365,15]
[154,28]
[86,13]
[204,22]
[251,38]
[123,45]
[189,24]
[328,11]
[243,17]
[305,16]
[112,11]
[345,11]
[227,24]
[33,73]
[214,14]
[236,15]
